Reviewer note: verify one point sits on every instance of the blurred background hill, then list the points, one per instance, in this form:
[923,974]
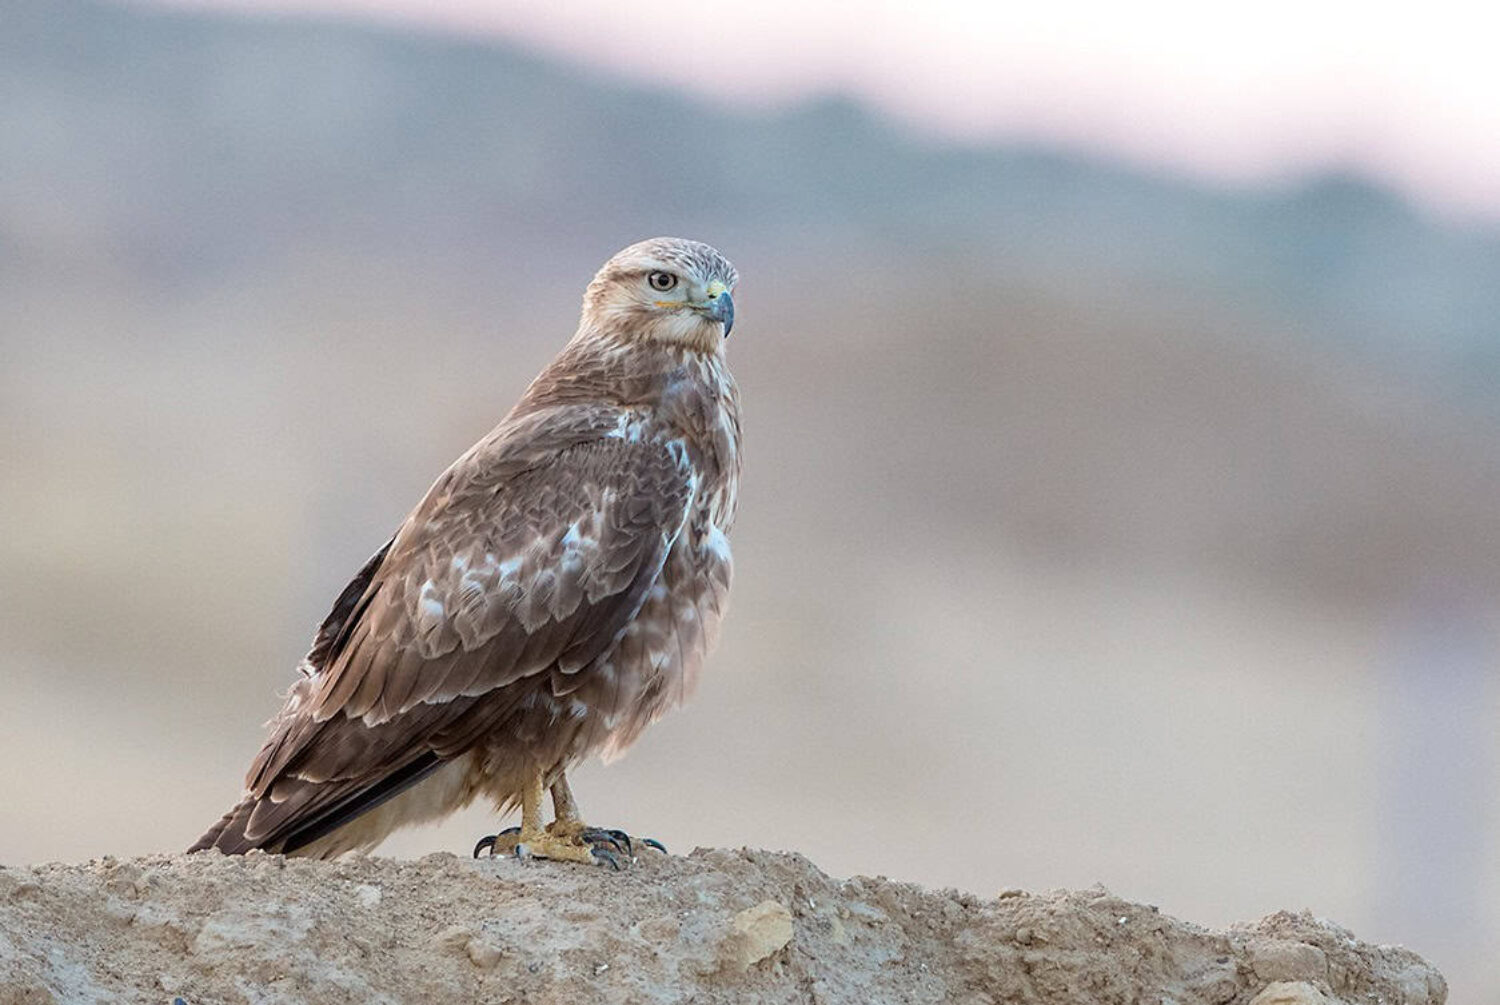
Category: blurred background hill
[1098,525]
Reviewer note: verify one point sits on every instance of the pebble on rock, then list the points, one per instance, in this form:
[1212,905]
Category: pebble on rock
[756,933]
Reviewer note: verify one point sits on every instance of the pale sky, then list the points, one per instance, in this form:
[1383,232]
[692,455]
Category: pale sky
[1409,94]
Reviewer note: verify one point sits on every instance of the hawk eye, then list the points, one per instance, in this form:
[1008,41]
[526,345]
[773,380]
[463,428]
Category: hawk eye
[661,281]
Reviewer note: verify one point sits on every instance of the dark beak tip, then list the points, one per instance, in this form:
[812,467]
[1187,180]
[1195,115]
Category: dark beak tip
[723,311]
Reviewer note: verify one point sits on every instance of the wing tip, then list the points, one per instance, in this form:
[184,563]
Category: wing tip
[228,835]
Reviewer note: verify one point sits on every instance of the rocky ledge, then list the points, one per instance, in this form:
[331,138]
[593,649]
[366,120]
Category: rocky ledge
[713,926]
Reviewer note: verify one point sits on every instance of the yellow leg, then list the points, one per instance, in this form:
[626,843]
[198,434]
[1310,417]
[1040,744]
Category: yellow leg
[567,838]
[531,809]
[549,842]
[566,822]
[561,841]
[569,824]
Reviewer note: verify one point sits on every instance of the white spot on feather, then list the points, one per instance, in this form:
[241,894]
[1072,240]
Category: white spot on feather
[716,543]
[627,427]
[431,607]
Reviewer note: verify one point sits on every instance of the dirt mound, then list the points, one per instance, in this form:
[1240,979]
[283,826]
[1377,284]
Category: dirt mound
[715,926]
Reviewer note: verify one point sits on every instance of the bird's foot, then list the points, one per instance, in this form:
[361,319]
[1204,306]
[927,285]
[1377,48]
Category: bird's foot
[570,842]
[503,843]
[618,840]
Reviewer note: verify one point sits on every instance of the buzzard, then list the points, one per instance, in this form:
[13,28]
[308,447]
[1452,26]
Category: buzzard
[553,594]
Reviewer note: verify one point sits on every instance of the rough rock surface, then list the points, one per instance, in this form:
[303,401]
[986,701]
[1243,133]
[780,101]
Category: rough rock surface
[714,926]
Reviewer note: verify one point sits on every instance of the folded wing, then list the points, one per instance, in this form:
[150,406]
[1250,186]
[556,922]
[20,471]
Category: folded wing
[529,557]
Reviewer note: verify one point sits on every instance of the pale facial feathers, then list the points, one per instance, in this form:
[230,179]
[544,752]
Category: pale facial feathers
[623,303]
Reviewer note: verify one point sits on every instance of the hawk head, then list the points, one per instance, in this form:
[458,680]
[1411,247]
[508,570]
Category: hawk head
[666,289]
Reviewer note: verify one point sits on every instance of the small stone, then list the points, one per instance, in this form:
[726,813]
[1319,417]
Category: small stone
[1289,993]
[368,895]
[483,953]
[757,933]
[1010,892]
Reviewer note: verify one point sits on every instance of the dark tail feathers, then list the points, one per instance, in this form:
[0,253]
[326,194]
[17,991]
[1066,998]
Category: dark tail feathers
[228,835]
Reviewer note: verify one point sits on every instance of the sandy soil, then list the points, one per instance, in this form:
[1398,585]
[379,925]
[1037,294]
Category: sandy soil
[714,926]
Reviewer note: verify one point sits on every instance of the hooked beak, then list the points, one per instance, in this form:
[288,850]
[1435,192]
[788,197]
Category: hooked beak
[720,307]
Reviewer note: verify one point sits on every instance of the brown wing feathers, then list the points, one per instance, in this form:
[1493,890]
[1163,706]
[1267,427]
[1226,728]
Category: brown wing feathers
[491,580]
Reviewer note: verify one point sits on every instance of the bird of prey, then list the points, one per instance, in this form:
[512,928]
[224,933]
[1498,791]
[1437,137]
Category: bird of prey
[553,594]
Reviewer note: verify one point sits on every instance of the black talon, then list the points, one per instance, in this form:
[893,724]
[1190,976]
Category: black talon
[621,840]
[653,843]
[604,855]
[489,842]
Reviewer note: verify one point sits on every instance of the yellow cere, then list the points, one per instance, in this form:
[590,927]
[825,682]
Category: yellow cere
[715,287]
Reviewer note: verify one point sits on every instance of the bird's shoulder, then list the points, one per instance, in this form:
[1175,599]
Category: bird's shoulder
[630,447]
[520,489]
